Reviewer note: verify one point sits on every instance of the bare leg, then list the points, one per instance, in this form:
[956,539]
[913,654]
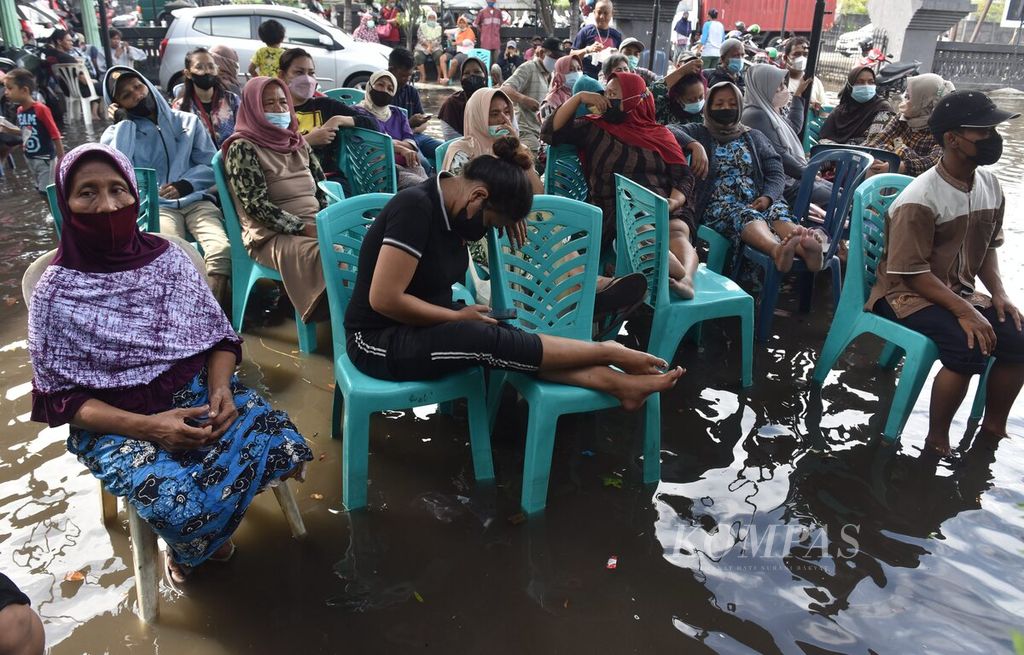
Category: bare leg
[948,391]
[631,390]
[442,66]
[757,235]
[21,631]
[562,354]
[422,68]
[1004,383]
[682,259]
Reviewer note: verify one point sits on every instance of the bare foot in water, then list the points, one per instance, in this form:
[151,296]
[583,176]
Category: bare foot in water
[812,251]
[682,288]
[635,362]
[635,389]
[786,251]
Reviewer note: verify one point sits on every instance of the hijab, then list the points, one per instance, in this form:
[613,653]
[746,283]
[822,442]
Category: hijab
[924,92]
[724,132]
[364,32]
[382,114]
[453,111]
[252,125]
[763,80]
[851,119]
[120,318]
[586,83]
[558,91]
[640,129]
[227,66]
[477,140]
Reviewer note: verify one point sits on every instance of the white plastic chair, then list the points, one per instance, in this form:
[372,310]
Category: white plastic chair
[70,76]
[146,563]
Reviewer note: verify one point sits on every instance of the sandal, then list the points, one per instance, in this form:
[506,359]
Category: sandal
[609,322]
[176,585]
[621,292]
[227,557]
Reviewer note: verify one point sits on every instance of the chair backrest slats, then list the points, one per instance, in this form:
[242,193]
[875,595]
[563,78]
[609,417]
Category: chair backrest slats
[367,159]
[642,219]
[850,167]
[564,175]
[871,202]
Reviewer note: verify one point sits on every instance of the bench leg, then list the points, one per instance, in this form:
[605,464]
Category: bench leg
[146,564]
[108,506]
[291,509]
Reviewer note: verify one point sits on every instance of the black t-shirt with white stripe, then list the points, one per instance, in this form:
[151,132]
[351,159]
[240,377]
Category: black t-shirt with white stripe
[416,222]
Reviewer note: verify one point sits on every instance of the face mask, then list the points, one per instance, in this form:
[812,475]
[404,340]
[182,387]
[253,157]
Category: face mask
[204,81]
[498,130]
[381,98]
[799,64]
[145,108]
[371,24]
[491,4]
[572,78]
[549,63]
[633,61]
[735,65]
[989,150]
[614,113]
[470,229]
[303,86]
[781,98]
[725,116]
[107,231]
[473,83]
[694,107]
[282,119]
[863,92]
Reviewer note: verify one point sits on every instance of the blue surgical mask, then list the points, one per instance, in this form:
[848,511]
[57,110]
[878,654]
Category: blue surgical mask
[863,92]
[633,61]
[572,78]
[735,65]
[282,119]
[549,63]
[498,130]
[694,107]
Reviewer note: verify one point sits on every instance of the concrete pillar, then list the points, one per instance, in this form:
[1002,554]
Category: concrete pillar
[9,24]
[92,33]
[913,26]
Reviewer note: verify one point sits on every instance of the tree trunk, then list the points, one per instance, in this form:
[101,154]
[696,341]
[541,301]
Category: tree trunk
[346,20]
[981,19]
[574,18]
[547,19]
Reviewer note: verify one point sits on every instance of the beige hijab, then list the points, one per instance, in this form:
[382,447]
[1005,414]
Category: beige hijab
[924,93]
[380,113]
[477,140]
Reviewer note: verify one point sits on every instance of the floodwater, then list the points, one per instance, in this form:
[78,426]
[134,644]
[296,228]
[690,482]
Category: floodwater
[782,524]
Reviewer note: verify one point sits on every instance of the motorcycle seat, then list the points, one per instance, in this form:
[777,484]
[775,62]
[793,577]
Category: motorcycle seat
[895,71]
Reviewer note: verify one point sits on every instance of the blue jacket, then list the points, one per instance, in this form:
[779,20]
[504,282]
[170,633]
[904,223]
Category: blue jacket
[177,146]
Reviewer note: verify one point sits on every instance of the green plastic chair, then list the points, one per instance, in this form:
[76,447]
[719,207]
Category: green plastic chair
[563,174]
[347,95]
[554,294]
[484,56]
[814,123]
[719,249]
[333,191]
[642,220]
[441,151]
[340,229]
[867,227]
[367,161]
[245,271]
[149,196]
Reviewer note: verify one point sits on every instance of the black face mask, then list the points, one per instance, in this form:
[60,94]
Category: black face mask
[381,98]
[724,116]
[145,108]
[988,150]
[470,228]
[206,81]
[473,83]
[614,113]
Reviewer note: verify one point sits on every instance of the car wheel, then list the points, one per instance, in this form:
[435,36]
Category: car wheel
[358,81]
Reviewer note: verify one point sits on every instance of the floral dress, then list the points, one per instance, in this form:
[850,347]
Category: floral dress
[729,210]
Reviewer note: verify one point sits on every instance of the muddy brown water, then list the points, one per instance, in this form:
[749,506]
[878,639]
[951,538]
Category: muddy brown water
[782,523]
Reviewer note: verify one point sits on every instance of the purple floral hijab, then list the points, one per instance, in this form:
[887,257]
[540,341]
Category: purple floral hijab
[105,320]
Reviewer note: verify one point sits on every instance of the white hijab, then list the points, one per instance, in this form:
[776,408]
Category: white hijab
[763,81]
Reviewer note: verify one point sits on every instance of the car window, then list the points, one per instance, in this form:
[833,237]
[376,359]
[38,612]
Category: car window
[298,33]
[234,27]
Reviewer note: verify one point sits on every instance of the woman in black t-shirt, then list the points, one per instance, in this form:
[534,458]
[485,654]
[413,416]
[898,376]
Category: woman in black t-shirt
[402,324]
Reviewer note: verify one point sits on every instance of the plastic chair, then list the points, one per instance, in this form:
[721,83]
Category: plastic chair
[484,56]
[146,563]
[367,161]
[564,175]
[441,151]
[68,74]
[814,121]
[340,229]
[849,168]
[642,220]
[719,249]
[245,271]
[871,201]
[333,191]
[879,154]
[149,197]
[553,294]
[346,95]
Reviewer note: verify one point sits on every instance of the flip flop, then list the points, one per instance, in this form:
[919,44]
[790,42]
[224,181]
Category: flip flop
[176,586]
[614,319]
[621,292]
[224,558]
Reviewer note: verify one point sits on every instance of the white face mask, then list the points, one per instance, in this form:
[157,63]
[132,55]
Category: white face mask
[781,98]
[799,64]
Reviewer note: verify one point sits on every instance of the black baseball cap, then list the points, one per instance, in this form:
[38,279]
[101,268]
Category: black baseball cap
[966,109]
[553,47]
[115,77]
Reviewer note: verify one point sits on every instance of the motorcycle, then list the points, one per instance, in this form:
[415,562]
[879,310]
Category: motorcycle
[890,75]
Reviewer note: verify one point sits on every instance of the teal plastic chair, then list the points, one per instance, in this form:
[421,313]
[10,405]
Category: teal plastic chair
[867,227]
[642,219]
[346,95]
[333,191]
[554,294]
[245,271]
[484,56]
[441,151]
[340,229]
[814,123]
[149,197]
[719,249]
[367,160]
[564,175]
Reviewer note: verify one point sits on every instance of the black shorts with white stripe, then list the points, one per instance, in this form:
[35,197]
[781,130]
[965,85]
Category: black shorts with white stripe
[426,353]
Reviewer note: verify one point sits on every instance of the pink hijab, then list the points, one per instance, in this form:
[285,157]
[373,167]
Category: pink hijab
[559,91]
[252,125]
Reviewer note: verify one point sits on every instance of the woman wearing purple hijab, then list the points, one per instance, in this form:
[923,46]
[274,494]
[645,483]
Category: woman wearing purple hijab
[129,346]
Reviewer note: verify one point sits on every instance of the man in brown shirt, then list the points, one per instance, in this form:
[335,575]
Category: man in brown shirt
[941,235]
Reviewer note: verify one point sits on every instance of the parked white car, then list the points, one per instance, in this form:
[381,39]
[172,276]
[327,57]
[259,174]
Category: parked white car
[848,43]
[340,60]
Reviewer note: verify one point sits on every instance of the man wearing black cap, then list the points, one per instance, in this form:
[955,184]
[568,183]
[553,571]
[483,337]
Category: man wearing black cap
[528,86]
[942,234]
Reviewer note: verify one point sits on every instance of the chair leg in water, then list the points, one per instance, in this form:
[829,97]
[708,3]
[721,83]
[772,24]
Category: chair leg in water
[286,499]
[146,564]
[540,442]
[355,453]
